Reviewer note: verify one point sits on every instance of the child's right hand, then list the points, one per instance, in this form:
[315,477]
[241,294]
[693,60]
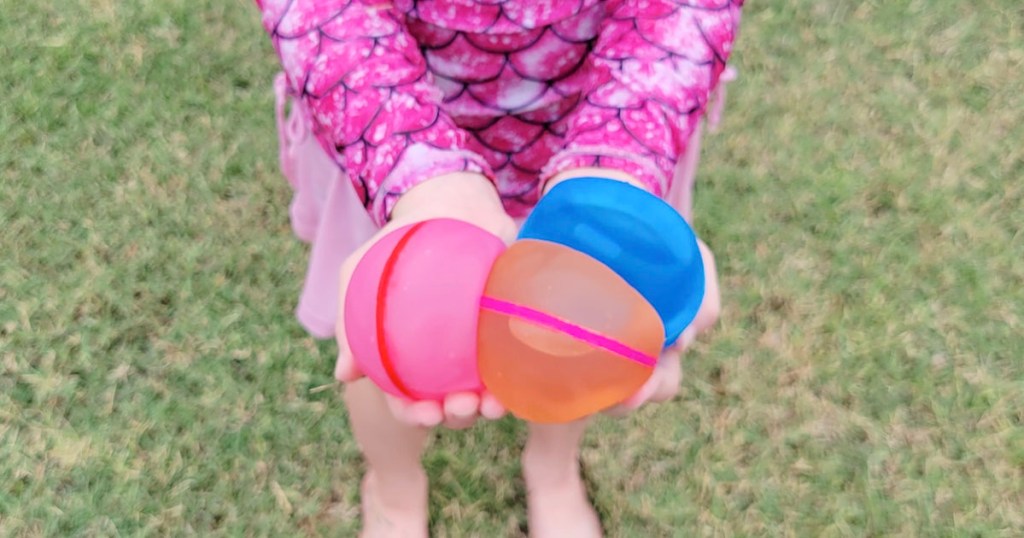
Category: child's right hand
[464,196]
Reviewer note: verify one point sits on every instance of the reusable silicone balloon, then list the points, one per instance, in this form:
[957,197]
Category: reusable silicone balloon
[639,236]
[561,335]
[412,306]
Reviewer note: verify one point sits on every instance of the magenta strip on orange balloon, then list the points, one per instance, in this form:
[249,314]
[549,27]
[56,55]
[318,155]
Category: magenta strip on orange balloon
[547,320]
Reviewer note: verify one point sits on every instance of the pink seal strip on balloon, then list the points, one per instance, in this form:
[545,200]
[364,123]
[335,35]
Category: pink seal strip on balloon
[385,279]
[547,320]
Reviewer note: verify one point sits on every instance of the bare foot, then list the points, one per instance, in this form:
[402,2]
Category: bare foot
[556,500]
[397,514]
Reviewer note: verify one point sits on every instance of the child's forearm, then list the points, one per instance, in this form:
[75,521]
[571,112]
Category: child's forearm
[462,195]
[369,92]
[653,69]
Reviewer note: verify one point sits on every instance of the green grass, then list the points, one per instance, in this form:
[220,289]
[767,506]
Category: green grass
[864,198]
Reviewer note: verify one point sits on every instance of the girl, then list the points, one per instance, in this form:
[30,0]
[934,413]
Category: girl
[407,110]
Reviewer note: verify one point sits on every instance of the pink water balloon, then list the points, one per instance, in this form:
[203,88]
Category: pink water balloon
[412,308]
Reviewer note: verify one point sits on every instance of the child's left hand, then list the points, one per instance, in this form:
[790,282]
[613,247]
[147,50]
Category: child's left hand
[464,196]
[663,384]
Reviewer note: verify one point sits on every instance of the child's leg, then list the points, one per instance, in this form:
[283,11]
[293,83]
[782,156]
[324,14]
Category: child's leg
[557,499]
[394,490]
[557,503]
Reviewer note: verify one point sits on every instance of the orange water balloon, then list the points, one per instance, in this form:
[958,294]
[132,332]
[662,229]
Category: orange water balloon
[562,336]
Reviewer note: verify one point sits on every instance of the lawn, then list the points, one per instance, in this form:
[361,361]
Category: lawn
[864,197]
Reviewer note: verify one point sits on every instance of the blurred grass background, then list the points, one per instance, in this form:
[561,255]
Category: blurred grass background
[864,198]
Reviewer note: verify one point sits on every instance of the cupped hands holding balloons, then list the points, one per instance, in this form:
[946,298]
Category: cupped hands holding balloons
[453,317]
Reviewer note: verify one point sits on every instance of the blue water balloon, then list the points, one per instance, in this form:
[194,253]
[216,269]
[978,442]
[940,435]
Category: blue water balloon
[636,234]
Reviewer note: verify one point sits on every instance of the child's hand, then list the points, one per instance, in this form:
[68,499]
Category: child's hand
[664,382]
[464,196]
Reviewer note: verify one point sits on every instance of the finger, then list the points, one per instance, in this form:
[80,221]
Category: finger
[661,386]
[638,398]
[424,413]
[671,377]
[685,341]
[460,410]
[617,411]
[507,231]
[644,394]
[681,344]
[711,305]
[620,410]
[490,407]
[345,369]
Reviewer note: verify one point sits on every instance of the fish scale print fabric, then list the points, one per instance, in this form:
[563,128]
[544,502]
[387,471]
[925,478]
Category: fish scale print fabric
[517,90]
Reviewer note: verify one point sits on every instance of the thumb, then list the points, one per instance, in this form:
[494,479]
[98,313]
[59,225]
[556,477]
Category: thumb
[345,369]
[685,341]
[642,395]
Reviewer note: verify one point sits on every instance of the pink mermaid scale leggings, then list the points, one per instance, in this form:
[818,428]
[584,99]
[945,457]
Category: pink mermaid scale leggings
[385,95]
